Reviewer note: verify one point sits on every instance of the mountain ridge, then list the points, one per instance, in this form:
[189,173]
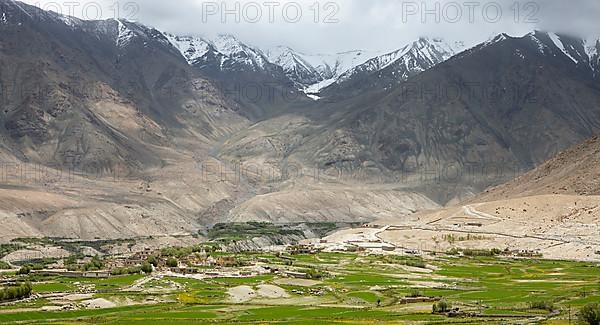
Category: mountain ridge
[167,109]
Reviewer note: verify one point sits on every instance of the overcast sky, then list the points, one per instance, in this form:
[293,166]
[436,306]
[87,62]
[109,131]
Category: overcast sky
[332,26]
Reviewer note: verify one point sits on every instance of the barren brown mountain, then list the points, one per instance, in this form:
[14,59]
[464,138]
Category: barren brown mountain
[553,210]
[120,99]
[575,171]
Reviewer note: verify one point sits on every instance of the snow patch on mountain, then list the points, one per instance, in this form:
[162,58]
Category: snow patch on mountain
[192,48]
[334,66]
[236,52]
[70,21]
[342,62]
[288,59]
[125,34]
[226,49]
[316,88]
[496,39]
[591,47]
[295,66]
[413,58]
[541,46]
[327,69]
[313,72]
[16,4]
[561,46]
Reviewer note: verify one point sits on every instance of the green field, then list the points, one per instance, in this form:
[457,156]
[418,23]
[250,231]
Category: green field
[356,289]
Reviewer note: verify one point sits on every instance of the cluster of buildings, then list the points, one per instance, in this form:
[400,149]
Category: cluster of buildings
[193,261]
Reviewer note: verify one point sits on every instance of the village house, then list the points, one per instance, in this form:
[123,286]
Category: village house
[293,274]
[302,249]
[122,262]
[226,261]
[185,270]
[143,255]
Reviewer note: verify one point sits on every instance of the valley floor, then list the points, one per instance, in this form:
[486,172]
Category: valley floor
[345,288]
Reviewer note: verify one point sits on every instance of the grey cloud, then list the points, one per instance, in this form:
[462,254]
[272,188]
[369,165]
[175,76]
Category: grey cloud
[354,24]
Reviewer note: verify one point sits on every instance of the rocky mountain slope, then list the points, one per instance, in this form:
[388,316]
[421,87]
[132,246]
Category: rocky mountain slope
[99,92]
[388,70]
[553,210]
[237,65]
[123,98]
[322,75]
[224,54]
[242,72]
[90,111]
[313,72]
[112,131]
[479,111]
[506,105]
[575,171]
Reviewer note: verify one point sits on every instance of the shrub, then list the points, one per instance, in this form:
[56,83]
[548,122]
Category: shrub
[453,251]
[146,268]
[171,262]
[126,270]
[441,307]
[415,293]
[16,292]
[478,252]
[71,260]
[542,305]
[153,260]
[590,314]
[314,274]
[24,270]
[496,251]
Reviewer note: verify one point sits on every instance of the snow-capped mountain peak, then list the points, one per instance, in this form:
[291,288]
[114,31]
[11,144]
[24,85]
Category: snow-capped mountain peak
[289,59]
[399,65]
[581,52]
[235,52]
[295,66]
[226,51]
[124,34]
[192,48]
[315,71]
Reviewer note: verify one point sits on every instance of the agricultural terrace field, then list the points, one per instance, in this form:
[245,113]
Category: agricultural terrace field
[354,289]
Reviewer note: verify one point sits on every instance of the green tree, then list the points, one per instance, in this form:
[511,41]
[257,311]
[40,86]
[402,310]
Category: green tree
[147,268]
[153,260]
[16,292]
[590,314]
[24,270]
[95,264]
[172,262]
[441,307]
[71,260]
[4,266]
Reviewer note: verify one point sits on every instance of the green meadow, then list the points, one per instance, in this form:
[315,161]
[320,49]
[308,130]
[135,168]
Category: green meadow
[352,289]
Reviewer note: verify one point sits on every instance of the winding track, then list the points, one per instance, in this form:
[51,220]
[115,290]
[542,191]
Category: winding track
[472,212]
